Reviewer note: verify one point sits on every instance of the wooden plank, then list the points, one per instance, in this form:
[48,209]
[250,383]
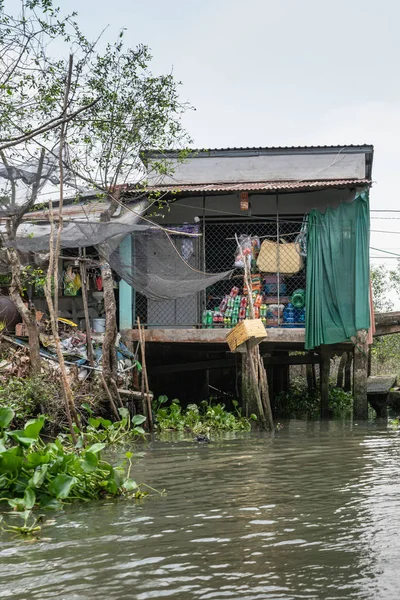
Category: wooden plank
[210,336]
[380,384]
[201,365]
[300,359]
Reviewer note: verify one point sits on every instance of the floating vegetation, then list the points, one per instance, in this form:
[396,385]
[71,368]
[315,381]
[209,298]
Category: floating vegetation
[34,473]
[201,418]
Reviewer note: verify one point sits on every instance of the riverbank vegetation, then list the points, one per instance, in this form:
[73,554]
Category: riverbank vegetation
[203,418]
[299,402]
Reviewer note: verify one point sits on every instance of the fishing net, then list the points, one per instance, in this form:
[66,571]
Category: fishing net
[160,266]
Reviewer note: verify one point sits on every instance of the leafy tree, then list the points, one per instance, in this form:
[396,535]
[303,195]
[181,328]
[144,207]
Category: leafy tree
[116,108]
[385,349]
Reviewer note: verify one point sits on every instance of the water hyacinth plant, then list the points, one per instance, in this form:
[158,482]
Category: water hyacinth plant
[36,473]
[201,418]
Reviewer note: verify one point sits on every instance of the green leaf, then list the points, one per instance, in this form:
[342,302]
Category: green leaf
[62,485]
[128,454]
[10,462]
[124,412]
[139,430]
[94,422]
[90,462]
[33,427]
[50,503]
[6,416]
[21,438]
[118,475]
[38,458]
[29,498]
[138,420]
[39,476]
[96,448]
[129,485]
[253,417]
[86,406]
[17,504]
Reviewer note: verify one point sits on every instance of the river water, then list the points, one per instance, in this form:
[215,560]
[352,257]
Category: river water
[313,512]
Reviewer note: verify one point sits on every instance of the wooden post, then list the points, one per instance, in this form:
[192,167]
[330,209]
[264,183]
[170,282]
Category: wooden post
[360,402]
[325,364]
[89,346]
[340,374]
[347,372]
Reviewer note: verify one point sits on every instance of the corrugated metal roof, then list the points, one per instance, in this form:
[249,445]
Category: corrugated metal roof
[333,147]
[260,186]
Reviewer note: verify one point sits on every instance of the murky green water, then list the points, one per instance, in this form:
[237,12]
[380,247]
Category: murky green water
[312,513]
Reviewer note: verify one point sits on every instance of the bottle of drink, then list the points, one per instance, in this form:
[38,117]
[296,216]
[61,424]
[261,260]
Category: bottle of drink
[242,313]
[204,321]
[224,304]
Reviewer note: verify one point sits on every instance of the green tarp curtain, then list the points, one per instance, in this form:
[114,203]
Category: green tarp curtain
[337,292]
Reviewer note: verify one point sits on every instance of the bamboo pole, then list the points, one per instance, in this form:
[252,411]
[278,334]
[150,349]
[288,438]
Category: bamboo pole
[145,381]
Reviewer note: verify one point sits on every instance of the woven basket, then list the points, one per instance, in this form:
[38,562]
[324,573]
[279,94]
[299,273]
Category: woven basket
[249,330]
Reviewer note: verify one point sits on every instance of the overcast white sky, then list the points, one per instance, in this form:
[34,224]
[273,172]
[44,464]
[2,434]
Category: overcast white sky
[277,72]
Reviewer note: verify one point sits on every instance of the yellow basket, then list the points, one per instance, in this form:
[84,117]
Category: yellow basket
[249,330]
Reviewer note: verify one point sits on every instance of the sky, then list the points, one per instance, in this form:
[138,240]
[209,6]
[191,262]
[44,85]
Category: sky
[277,72]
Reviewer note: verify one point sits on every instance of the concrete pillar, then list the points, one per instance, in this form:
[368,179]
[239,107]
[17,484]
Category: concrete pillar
[360,403]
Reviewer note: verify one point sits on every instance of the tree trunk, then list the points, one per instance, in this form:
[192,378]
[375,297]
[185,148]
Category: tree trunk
[109,358]
[28,314]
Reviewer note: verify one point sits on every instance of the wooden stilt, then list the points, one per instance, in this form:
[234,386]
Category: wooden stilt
[360,403]
[324,381]
[340,374]
[347,372]
[145,381]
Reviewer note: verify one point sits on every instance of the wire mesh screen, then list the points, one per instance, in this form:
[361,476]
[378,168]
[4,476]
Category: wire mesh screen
[276,252]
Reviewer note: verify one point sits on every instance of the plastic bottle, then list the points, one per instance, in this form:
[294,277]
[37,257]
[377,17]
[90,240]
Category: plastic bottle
[224,304]
[289,317]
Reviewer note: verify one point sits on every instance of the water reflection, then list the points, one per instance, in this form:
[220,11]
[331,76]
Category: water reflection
[312,512]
